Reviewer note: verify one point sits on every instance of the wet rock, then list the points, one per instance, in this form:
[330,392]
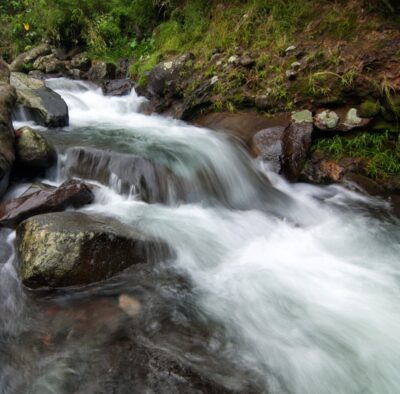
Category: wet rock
[72,249]
[29,57]
[7,152]
[81,62]
[49,64]
[128,174]
[4,71]
[45,106]
[42,199]
[362,183]
[33,151]
[268,145]
[102,71]
[130,305]
[117,87]
[326,120]
[296,144]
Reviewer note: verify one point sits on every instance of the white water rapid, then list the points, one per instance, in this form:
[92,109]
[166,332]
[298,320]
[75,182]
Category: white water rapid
[301,282]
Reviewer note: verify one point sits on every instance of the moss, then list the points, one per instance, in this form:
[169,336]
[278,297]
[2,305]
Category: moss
[380,151]
[370,109]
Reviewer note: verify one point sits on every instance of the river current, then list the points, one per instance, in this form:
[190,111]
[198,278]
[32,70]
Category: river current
[284,288]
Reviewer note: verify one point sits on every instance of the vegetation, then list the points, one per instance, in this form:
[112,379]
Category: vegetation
[381,152]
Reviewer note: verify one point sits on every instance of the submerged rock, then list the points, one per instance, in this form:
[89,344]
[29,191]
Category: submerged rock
[29,57]
[44,199]
[45,106]
[73,248]
[33,151]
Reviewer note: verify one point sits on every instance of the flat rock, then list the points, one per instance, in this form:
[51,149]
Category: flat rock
[41,199]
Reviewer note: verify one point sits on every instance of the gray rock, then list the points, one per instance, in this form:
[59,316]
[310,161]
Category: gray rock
[32,149]
[81,62]
[29,57]
[296,144]
[72,249]
[326,120]
[45,106]
[268,145]
[102,71]
[49,64]
[118,87]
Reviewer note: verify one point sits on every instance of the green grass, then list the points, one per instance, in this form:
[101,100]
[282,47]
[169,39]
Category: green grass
[381,152]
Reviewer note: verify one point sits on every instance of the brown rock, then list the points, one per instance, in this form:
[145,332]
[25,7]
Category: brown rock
[45,200]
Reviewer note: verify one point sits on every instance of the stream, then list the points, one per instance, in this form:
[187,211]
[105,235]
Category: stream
[274,287]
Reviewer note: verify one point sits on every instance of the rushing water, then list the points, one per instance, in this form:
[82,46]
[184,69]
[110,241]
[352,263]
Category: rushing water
[275,288]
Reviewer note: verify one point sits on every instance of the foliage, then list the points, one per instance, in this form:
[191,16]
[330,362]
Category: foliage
[380,151]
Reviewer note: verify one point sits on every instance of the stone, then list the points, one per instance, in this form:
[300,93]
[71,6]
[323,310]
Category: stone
[45,106]
[291,75]
[130,305]
[295,66]
[102,71]
[268,145]
[247,61]
[40,199]
[296,144]
[117,87]
[32,149]
[49,64]
[326,120]
[73,249]
[304,116]
[25,58]
[233,59]
[4,71]
[81,62]
[290,49]
[352,121]
[163,79]
[7,152]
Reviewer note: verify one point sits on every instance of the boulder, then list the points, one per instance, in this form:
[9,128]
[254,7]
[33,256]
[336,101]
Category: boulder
[81,62]
[164,78]
[49,64]
[44,105]
[4,71]
[117,87]
[267,144]
[7,153]
[41,199]
[101,71]
[73,248]
[33,151]
[296,144]
[21,60]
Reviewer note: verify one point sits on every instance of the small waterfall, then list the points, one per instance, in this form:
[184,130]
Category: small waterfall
[291,287]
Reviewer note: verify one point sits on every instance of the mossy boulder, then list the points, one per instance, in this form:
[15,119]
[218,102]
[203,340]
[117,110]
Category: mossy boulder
[73,248]
[45,106]
[20,62]
[33,151]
